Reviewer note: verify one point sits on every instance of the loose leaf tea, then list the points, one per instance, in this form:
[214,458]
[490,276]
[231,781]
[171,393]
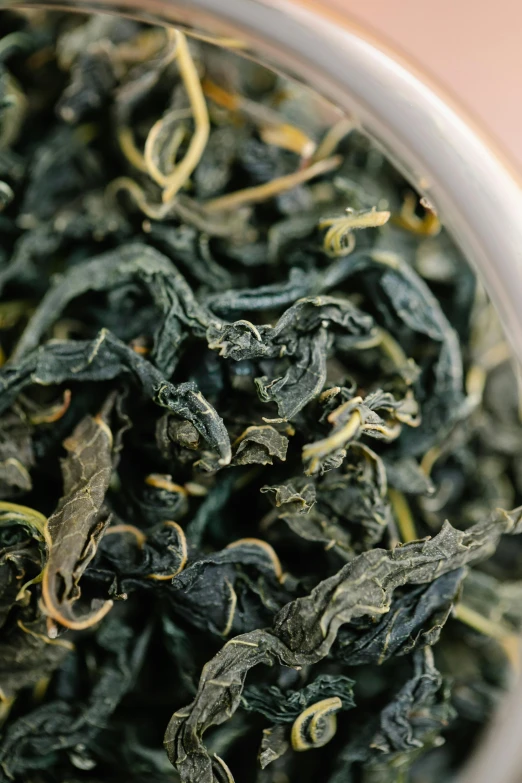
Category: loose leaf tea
[258,429]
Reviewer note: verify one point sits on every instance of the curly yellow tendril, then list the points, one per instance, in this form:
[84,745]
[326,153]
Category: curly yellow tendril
[153,148]
[339,239]
[148,162]
[198,142]
[427,226]
[316,725]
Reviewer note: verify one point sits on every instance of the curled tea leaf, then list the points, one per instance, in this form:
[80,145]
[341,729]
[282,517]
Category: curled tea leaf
[273,745]
[27,654]
[105,358]
[379,416]
[412,722]
[159,555]
[24,548]
[74,724]
[76,526]
[259,445]
[281,707]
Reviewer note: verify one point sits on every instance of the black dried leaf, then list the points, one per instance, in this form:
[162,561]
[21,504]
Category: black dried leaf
[92,81]
[62,169]
[133,264]
[378,416]
[27,654]
[296,497]
[16,455]
[285,706]
[68,727]
[106,358]
[129,559]
[411,722]
[273,745]
[356,496]
[187,246]
[24,546]
[414,620]
[232,590]
[258,445]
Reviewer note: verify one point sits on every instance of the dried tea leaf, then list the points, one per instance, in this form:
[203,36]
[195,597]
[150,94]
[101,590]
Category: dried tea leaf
[28,655]
[411,722]
[301,334]
[132,264]
[379,416]
[259,445]
[77,524]
[273,745]
[305,629]
[232,590]
[128,558]
[70,726]
[16,455]
[24,544]
[105,358]
[285,706]
[415,619]
[296,497]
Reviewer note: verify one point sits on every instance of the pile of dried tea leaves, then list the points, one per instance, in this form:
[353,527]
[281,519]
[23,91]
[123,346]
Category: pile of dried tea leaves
[246,380]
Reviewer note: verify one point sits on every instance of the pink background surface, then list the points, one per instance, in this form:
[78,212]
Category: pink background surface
[472,48]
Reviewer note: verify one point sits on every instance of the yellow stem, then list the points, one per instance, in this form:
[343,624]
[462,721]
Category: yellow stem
[199,139]
[403,515]
[130,150]
[174,144]
[332,137]
[336,441]
[267,190]
[429,460]
[480,623]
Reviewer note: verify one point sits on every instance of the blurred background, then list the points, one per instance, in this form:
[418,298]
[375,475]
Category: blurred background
[473,48]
